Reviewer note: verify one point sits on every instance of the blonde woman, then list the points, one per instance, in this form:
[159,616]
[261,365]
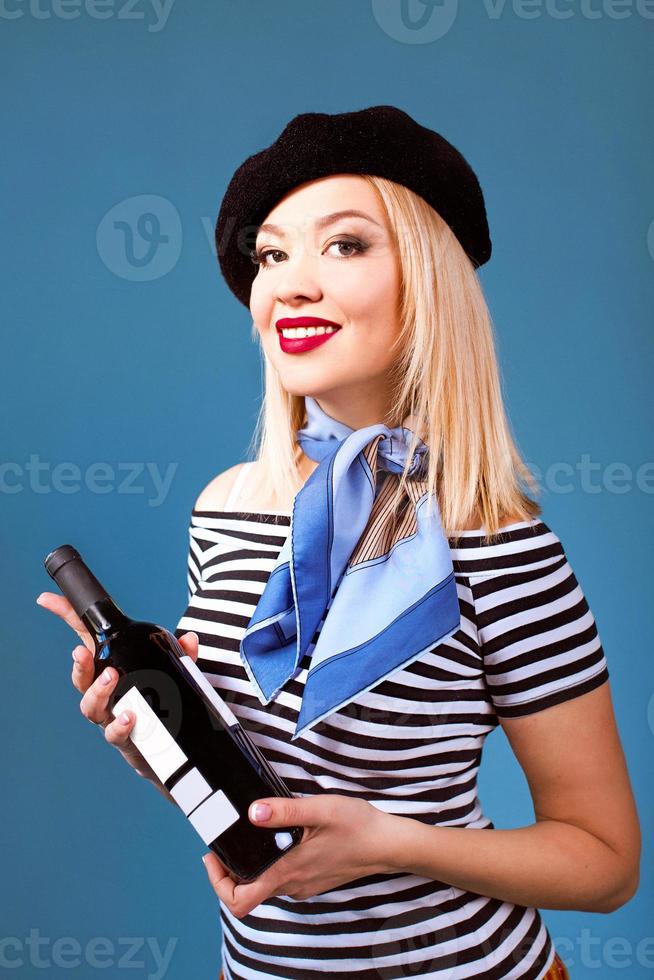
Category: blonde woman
[385,481]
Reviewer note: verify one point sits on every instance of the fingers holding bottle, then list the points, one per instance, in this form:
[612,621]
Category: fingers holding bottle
[83,670]
[61,606]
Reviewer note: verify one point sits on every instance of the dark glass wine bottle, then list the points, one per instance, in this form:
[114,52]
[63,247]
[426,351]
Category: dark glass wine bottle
[184,729]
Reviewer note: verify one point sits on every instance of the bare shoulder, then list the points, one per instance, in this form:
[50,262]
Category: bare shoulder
[216,492]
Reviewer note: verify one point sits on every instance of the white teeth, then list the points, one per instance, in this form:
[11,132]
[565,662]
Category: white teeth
[294,333]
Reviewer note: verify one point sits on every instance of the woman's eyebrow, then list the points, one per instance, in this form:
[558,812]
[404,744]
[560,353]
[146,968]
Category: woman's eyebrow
[327,219]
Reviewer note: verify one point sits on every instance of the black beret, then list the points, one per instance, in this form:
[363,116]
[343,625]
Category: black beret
[383,141]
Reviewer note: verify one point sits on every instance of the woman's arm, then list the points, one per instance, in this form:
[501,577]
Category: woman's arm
[582,853]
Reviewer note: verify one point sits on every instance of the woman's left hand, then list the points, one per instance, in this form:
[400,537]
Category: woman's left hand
[344,838]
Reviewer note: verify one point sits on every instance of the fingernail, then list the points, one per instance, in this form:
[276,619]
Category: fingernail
[76,656]
[204,859]
[106,676]
[124,718]
[261,811]
[38,601]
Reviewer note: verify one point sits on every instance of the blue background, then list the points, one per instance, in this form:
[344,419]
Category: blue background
[144,356]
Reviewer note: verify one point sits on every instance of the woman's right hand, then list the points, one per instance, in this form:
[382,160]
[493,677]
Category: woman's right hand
[96,694]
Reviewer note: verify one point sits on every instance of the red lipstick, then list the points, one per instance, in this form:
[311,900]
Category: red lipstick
[299,344]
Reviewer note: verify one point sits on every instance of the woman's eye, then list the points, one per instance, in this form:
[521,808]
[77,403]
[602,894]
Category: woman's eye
[260,257]
[357,246]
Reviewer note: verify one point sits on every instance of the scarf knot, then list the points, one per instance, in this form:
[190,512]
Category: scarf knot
[392,453]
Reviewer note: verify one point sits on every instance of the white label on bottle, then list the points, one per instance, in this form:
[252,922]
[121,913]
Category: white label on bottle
[150,735]
[221,707]
[189,791]
[214,816]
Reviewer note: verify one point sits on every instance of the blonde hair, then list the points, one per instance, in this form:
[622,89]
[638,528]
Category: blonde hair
[446,373]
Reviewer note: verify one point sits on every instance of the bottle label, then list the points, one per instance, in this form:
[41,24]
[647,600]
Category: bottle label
[221,707]
[214,816]
[150,735]
[210,811]
[189,791]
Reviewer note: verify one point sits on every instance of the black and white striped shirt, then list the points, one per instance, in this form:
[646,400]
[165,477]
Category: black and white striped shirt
[411,746]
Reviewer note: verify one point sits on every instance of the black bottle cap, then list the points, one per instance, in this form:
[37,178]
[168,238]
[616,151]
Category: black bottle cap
[66,566]
[59,557]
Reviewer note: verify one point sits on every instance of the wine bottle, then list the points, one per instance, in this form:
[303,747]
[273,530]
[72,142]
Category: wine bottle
[184,729]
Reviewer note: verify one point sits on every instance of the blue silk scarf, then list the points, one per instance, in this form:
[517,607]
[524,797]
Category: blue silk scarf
[385,590]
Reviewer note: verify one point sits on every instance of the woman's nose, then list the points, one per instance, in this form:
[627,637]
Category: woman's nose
[298,280]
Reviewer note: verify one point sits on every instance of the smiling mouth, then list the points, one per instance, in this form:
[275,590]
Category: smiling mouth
[301,340]
[296,333]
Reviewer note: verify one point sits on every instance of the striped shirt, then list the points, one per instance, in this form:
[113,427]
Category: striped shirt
[411,746]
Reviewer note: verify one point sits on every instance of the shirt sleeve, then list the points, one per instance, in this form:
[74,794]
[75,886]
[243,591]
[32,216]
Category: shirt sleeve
[537,634]
[193,565]
[193,577]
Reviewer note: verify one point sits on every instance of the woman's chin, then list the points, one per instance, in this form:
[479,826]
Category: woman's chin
[304,384]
